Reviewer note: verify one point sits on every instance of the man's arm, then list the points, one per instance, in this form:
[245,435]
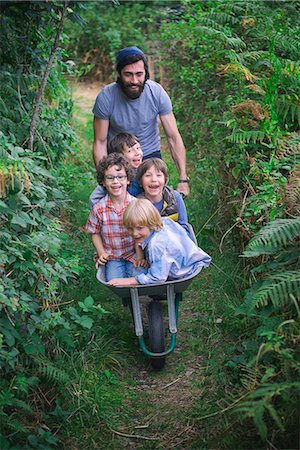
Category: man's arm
[177,149]
[100,139]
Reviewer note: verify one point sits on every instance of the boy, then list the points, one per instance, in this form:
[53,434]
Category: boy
[171,254]
[115,247]
[152,176]
[128,145]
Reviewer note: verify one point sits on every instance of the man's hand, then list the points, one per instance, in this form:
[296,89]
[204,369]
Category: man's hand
[184,189]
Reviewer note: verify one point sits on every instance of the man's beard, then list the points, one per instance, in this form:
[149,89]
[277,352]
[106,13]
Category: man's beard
[128,92]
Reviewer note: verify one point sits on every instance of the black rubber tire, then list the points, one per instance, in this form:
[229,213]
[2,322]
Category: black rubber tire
[156,333]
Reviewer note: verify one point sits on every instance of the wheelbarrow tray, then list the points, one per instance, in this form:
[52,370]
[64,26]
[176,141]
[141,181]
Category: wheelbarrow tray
[168,290]
[151,290]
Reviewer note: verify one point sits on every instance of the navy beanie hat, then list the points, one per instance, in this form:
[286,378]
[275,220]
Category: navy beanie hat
[128,51]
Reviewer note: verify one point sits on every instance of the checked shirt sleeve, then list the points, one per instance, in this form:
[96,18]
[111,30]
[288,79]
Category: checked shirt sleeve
[94,222]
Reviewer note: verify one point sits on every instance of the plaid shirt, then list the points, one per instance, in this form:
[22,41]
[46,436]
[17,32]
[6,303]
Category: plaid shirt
[106,221]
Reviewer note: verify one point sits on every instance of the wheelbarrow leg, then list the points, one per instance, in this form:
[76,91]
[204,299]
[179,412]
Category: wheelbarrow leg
[137,318]
[171,308]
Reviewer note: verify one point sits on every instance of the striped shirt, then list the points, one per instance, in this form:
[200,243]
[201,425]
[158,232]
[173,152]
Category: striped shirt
[106,221]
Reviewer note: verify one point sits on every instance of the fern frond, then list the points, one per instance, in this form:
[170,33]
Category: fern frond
[51,372]
[242,137]
[288,108]
[289,146]
[209,22]
[221,18]
[12,424]
[292,190]
[255,55]
[275,234]
[277,289]
[21,404]
[283,42]
[262,400]
[234,42]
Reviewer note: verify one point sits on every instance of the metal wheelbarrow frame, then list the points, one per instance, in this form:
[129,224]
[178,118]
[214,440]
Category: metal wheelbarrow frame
[170,291]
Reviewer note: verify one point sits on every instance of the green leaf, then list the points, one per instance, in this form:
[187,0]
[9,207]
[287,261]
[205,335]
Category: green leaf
[85,322]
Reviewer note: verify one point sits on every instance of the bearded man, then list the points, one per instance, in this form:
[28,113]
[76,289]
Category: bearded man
[133,104]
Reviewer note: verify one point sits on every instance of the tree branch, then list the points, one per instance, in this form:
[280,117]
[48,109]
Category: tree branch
[45,77]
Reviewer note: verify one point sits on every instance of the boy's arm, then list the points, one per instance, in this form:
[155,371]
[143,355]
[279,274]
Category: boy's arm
[103,257]
[123,282]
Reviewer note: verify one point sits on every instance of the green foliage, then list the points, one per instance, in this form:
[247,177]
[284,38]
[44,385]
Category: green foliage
[238,62]
[274,235]
[274,292]
[35,323]
[224,55]
[110,26]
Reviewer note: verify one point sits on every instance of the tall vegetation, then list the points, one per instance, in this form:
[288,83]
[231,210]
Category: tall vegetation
[110,26]
[239,63]
[35,327]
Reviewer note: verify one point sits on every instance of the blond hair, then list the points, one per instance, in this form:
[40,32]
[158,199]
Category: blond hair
[141,212]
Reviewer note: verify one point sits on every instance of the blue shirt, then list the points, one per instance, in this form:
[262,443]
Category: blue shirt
[172,255]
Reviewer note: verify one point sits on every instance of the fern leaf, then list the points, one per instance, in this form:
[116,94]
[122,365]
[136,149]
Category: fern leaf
[51,372]
[277,289]
[221,18]
[232,41]
[275,234]
[242,137]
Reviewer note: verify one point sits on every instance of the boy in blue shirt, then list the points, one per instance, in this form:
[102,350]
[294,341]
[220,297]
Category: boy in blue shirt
[171,254]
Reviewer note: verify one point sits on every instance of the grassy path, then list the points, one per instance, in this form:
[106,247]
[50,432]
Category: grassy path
[134,406]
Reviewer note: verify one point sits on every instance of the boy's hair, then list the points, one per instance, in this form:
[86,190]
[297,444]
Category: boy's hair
[158,163]
[116,144]
[141,212]
[114,159]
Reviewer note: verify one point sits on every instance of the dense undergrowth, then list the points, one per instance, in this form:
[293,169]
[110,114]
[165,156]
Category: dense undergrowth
[234,80]
[240,66]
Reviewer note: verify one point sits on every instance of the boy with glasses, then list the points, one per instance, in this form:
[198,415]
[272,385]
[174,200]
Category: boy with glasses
[116,250]
[127,145]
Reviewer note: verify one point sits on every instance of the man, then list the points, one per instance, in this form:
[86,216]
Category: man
[133,104]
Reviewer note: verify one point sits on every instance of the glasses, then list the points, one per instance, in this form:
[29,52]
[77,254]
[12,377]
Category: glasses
[117,177]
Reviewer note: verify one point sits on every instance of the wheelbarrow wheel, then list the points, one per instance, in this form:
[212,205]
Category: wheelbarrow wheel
[156,333]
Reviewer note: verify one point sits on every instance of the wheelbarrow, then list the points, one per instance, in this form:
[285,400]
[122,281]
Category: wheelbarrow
[170,291]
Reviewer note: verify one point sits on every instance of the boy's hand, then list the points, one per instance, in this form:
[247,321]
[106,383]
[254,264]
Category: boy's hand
[102,260]
[141,262]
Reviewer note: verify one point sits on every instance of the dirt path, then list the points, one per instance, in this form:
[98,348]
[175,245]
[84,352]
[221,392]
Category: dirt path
[84,94]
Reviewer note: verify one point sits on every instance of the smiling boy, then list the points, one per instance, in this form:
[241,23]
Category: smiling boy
[114,246]
[127,145]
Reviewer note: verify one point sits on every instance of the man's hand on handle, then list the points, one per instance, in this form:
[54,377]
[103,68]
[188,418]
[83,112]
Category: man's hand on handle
[184,189]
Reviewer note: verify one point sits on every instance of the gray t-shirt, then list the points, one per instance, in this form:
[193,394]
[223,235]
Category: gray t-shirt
[138,116]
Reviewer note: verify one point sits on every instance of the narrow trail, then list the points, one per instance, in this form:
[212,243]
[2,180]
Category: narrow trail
[159,412]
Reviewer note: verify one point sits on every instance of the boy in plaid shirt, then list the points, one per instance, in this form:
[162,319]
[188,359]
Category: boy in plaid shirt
[115,248]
